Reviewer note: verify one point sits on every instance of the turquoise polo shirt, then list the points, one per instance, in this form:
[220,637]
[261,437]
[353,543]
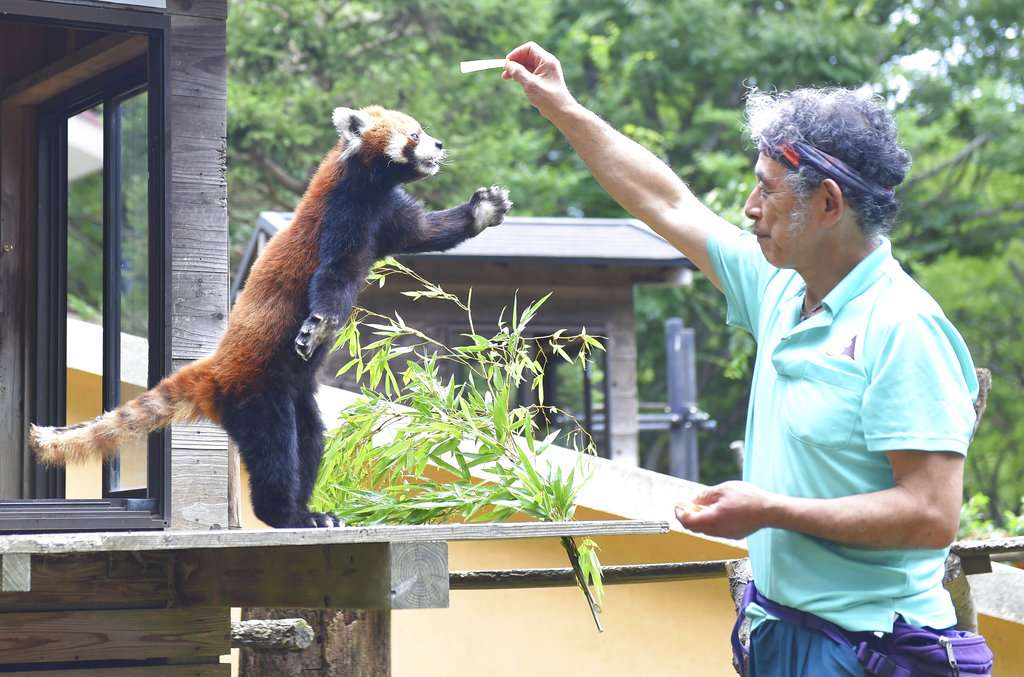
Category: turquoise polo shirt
[879,369]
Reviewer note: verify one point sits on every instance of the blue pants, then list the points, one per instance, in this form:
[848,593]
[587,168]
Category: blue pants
[778,649]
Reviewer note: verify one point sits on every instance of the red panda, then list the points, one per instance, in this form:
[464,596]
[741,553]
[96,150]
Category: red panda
[259,384]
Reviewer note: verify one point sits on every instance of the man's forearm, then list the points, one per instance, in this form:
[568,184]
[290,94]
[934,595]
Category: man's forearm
[644,185]
[921,510]
[639,181]
[889,519]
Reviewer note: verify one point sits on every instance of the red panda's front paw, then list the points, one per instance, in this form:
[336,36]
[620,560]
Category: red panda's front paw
[488,207]
[312,333]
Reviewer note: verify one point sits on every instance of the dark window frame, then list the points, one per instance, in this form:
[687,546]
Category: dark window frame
[149,508]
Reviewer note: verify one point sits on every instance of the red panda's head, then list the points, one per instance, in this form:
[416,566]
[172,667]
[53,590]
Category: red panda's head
[374,133]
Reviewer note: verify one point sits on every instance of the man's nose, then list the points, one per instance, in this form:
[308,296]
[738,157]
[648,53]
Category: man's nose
[752,207]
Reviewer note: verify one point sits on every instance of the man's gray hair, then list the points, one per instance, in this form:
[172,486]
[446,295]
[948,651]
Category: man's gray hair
[851,126]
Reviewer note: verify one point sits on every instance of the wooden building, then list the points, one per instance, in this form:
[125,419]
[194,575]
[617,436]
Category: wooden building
[153,72]
[112,175]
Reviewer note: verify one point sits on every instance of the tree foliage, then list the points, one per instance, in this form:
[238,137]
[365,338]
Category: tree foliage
[673,74]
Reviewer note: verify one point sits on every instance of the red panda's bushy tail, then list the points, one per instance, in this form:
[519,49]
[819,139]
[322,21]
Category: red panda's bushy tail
[181,397]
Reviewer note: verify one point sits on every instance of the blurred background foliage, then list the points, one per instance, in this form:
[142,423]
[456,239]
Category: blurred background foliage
[673,75]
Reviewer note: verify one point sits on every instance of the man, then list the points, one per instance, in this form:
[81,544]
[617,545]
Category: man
[861,401]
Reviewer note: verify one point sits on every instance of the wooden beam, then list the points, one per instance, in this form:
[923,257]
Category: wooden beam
[975,556]
[57,636]
[419,575]
[501,579]
[182,540]
[93,581]
[16,572]
[82,65]
[317,578]
[206,670]
[272,634]
[356,576]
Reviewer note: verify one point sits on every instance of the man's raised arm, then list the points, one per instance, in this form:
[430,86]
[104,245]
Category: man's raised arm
[638,180]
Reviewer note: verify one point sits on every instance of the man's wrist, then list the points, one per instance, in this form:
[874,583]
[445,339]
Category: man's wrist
[567,114]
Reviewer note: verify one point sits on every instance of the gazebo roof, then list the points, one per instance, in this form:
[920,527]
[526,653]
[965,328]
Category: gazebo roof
[548,240]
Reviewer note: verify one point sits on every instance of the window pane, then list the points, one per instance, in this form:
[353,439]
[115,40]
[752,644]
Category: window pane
[85,286]
[118,324]
[129,470]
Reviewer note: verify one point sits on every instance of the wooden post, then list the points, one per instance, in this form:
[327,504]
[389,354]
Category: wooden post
[234,487]
[348,642]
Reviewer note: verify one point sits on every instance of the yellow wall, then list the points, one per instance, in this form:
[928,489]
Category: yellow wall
[650,629]
[85,480]
[1006,639]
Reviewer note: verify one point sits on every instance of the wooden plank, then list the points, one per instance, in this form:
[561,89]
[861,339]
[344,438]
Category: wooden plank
[18,167]
[125,580]
[197,77]
[199,476]
[61,636]
[211,9]
[92,60]
[337,576]
[259,538]
[204,670]
[502,579]
[198,48]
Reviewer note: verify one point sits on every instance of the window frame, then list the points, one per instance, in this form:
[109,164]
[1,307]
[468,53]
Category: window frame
[48,511]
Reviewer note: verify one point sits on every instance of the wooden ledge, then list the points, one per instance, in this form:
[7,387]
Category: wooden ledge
[976,556]
[386,567]
[143,541]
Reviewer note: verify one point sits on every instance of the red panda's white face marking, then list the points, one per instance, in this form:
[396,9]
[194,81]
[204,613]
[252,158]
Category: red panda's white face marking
[389,133]
[419,148]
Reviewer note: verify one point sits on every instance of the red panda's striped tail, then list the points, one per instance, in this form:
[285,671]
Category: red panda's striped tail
[167,403]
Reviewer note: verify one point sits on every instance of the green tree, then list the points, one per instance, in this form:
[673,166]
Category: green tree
[290,64]
[984,296]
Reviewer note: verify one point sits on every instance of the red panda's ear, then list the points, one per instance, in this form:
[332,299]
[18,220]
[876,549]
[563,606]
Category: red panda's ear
[351,125]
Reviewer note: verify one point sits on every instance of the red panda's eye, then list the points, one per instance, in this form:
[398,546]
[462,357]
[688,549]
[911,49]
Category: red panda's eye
[414,136]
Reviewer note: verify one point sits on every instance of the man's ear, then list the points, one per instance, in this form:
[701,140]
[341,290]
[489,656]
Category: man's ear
[351,125]
[833,203]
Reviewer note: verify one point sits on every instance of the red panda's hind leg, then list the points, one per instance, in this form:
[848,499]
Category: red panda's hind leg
[310,429]
[264,426]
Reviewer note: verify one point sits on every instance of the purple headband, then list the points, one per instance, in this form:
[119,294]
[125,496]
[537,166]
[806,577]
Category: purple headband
[832,167]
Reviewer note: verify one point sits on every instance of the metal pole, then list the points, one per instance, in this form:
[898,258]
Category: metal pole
[681,355]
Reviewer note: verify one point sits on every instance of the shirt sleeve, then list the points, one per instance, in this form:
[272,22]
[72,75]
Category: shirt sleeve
[922,389]
[742,272]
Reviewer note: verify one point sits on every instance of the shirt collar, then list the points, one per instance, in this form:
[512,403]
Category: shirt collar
[863,275]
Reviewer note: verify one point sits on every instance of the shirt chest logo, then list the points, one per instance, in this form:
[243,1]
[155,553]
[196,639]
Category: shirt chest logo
[844,348]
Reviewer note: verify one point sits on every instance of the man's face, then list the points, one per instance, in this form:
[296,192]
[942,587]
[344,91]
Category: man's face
[778,220]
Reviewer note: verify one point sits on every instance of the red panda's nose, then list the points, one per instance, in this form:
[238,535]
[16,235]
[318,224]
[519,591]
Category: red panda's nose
[438,144]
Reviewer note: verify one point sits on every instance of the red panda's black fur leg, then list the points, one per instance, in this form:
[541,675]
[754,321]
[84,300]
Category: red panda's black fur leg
[310,438]
[264,428]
